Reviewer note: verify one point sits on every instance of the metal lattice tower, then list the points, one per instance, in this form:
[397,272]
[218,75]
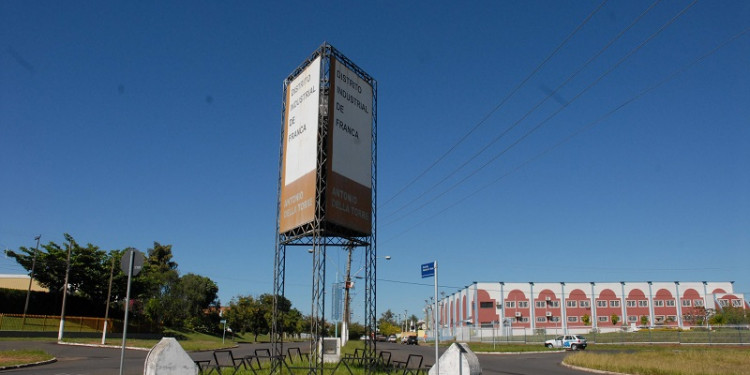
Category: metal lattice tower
[319,234]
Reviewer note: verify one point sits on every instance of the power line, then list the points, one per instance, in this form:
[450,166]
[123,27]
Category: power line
[534,108]
[581,130]
[498,106]
[419,284]
[555,113]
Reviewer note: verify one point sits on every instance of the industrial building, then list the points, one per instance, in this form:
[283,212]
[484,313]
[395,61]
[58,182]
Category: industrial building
[20,282]
[580,307]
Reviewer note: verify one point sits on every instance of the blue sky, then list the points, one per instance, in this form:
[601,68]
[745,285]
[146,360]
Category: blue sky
[125,123]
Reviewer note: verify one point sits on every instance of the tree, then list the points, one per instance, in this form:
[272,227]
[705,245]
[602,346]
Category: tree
[388,316]
[325,329]
[614,319]
[255,314]
[198,293]
[293,322]
[644,320]
[695,316]
[730,315]
[89,268]
[88,271]
[356,330]
[387,324]
[190,304]
[159,273]
[158,277]
[387,328]
[266,306]
[158,291]
[242,310]
[586,319]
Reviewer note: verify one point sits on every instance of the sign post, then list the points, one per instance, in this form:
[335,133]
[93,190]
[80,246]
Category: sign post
[131,263]
[430,270]
[224,333]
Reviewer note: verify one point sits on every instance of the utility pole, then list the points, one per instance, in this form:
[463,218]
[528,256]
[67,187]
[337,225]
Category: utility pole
[65,294]
[347,286]
[31,279]
[109,295]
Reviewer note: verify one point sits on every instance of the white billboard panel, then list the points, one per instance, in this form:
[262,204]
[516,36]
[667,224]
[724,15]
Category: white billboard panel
[302,123]
[300,149]
[352,126]
[349,184]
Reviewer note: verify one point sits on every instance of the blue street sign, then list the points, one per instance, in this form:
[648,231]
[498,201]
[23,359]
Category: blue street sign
[428,270]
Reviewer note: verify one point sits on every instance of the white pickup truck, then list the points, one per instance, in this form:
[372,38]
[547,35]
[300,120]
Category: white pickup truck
[572,342]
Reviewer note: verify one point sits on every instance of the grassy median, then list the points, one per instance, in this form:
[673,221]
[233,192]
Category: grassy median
[665,360]
[20,357]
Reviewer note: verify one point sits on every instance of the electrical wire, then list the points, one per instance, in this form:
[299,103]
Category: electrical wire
[499,105]
[582,129]
[534,108]
[555,113]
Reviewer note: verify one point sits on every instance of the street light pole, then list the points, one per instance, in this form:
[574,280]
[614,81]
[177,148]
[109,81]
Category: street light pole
[406,324]
[31,279]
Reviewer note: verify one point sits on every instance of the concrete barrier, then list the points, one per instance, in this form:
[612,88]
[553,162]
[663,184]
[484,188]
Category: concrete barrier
[330,348]
[168,358]
[458,360]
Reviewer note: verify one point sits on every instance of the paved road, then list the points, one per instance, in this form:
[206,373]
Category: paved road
[510,364]
[78,360]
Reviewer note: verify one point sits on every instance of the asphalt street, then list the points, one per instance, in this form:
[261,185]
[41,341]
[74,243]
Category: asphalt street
[510,364]
[82,360]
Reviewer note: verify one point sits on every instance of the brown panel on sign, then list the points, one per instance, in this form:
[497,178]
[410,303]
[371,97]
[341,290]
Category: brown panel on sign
[297,203]
[348,204]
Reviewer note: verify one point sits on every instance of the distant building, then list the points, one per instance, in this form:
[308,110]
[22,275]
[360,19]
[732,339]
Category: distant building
[579,307]
[20,282]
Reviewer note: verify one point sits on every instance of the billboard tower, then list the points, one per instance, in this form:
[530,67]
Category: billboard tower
[327,179]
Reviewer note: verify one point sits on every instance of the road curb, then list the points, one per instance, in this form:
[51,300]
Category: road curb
[53,360]
[103,346]
[212,350]
[509,353]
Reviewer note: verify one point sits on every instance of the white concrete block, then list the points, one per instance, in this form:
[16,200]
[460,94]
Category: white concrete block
[330,348]
[458,360]
[168,358]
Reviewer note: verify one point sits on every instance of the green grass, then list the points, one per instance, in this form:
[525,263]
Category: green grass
[666,360]
[40,323]
[190,341]
[19,357]
[696,335]
[302,367]
[299,368]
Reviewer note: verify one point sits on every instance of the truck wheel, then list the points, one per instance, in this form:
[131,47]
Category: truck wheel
[549,346]
[574,347]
